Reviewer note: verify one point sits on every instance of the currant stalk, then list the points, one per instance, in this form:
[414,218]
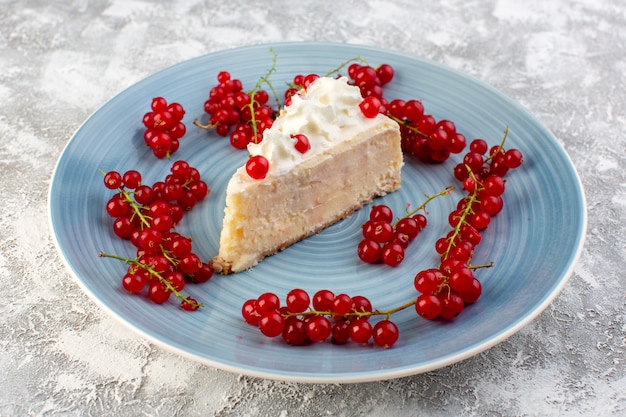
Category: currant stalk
[135,262]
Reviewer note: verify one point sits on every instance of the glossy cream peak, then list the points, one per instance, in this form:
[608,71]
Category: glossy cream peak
[327,113]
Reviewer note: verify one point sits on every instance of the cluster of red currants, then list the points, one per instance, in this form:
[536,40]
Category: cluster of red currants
[446,290]
[164,127]
[232,111]
[386,241]
[339,317]
[422,135]
[147,216]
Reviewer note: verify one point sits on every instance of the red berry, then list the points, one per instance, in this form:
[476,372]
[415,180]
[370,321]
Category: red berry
[113,180]
[428,306]
[301,143]
[342,305]
[385,73]
[271,324]
[249,313]
[451,306]
[294,331]
[385,333]
[323,300]
[189,304]
[158,293]
[393,254]
[318,328]
[298,300]
[370,106]
[257,167]
[369,251]
[513,158]
[360,331]
[381,212]
[267,302]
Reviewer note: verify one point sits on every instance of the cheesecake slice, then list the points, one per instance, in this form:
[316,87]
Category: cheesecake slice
[351,160]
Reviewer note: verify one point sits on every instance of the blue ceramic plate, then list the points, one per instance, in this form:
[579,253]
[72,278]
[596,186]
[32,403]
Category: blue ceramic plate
[534,242]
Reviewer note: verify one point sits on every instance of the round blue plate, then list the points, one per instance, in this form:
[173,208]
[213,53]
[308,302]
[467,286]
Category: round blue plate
[534,242]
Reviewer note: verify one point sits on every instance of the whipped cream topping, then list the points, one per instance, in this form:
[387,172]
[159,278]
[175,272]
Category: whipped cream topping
[327,113]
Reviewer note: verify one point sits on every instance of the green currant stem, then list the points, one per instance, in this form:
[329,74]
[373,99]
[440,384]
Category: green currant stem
[354,314]
[489,265]
[467,210]
[201,126]
[501,146]
[407,123]
[133,204]
[152,272]
[263,79]
[344,64]
[136,207]
[429,198]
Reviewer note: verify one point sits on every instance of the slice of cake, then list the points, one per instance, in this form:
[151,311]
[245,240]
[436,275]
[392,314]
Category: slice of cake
[348,161]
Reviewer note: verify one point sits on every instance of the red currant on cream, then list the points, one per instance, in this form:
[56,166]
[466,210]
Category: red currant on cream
[257,167]
[301,143]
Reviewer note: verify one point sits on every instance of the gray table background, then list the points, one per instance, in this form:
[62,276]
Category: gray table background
[60,60]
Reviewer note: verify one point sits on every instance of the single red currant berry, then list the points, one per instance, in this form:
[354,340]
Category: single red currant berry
[369,251]
[133,283]
[479,146]
[382,232]
[323,300]
[461,279]
[257,167]
[409,226]
[491,204]
[267,302]
[493,185]
[301,143]
[271,324]
[421,221]
[158,293]
[428,306]
[189,304]
[177,279]
[342,305]
[385,333]
[381,213]
[451,306]
[203,274]
[190,263]
[361,304]
[370,106]
[428,281]
[513,158]
[393,254]
[472,294]
[112,180]
[385,73]
[123,227]
[294,331]
[249,313]
[181,170]
[318,328]
[158,103]
[340,332]
[414,110]
[117,206]
[298,300]
[360,331]
[456,143]
[480,220]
